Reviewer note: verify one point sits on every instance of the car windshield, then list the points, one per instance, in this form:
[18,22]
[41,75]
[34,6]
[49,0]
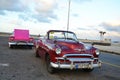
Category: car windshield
[62,36]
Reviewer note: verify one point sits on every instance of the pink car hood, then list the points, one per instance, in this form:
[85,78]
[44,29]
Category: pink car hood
[21,34]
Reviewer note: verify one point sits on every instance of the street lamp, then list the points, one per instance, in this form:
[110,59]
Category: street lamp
[68,21]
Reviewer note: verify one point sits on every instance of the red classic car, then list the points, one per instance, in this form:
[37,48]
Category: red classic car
[61,50]
[20,37]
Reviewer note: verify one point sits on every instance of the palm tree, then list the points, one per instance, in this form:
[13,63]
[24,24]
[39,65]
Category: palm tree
[102,34]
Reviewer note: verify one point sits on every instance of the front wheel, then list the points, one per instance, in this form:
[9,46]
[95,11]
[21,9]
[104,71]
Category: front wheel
[36,53]
[50,69]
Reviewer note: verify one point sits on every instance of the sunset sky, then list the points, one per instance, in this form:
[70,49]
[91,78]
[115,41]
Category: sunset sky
[87,17]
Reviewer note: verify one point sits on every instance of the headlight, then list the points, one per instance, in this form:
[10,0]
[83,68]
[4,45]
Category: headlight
[97,52]
[58,50]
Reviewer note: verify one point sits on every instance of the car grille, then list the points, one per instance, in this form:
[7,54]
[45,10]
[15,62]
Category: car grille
[75,58]
[78,56]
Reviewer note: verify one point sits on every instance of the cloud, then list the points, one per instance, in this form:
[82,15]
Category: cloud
[44,5]
[2,13]
[88,28]
[84,29]
[11,5]
[41,18]
[41,10]
[25,18]
[111,27]
[81,1]
[75,15]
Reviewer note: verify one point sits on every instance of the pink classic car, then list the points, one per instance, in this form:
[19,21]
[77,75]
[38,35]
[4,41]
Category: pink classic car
[62,50]
[20,38]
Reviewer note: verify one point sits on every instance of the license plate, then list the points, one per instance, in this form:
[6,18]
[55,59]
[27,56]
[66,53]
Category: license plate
[82,65]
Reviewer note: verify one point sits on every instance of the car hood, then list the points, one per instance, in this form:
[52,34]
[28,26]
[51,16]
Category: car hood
[71,45]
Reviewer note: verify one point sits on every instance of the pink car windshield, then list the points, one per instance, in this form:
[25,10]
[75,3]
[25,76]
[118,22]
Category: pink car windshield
[21,34]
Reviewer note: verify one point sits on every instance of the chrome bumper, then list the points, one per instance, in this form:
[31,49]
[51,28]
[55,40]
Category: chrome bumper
[73,65]
[20,43]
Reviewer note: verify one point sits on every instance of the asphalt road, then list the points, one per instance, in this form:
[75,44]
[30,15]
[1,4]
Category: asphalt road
[21,64]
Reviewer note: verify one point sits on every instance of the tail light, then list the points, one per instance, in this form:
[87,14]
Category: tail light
[11,38]
[31,39]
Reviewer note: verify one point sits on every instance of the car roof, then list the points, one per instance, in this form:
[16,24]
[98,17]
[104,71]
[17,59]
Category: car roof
[59,31]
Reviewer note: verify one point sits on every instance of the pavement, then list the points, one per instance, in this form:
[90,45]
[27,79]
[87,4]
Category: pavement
[114,48]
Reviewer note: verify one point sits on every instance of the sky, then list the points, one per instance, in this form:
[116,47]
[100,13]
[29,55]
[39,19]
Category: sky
[87,17]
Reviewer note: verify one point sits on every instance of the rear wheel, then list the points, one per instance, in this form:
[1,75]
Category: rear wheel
[50,69]
[11,46]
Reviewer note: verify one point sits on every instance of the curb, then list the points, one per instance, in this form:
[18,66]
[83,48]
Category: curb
[110,52]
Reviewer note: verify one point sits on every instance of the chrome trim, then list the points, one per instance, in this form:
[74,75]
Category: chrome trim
[77,55]
[95,58]
[79,59]
[15,43]
[12,43]
[60,58]
[73,66]
[75,59]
